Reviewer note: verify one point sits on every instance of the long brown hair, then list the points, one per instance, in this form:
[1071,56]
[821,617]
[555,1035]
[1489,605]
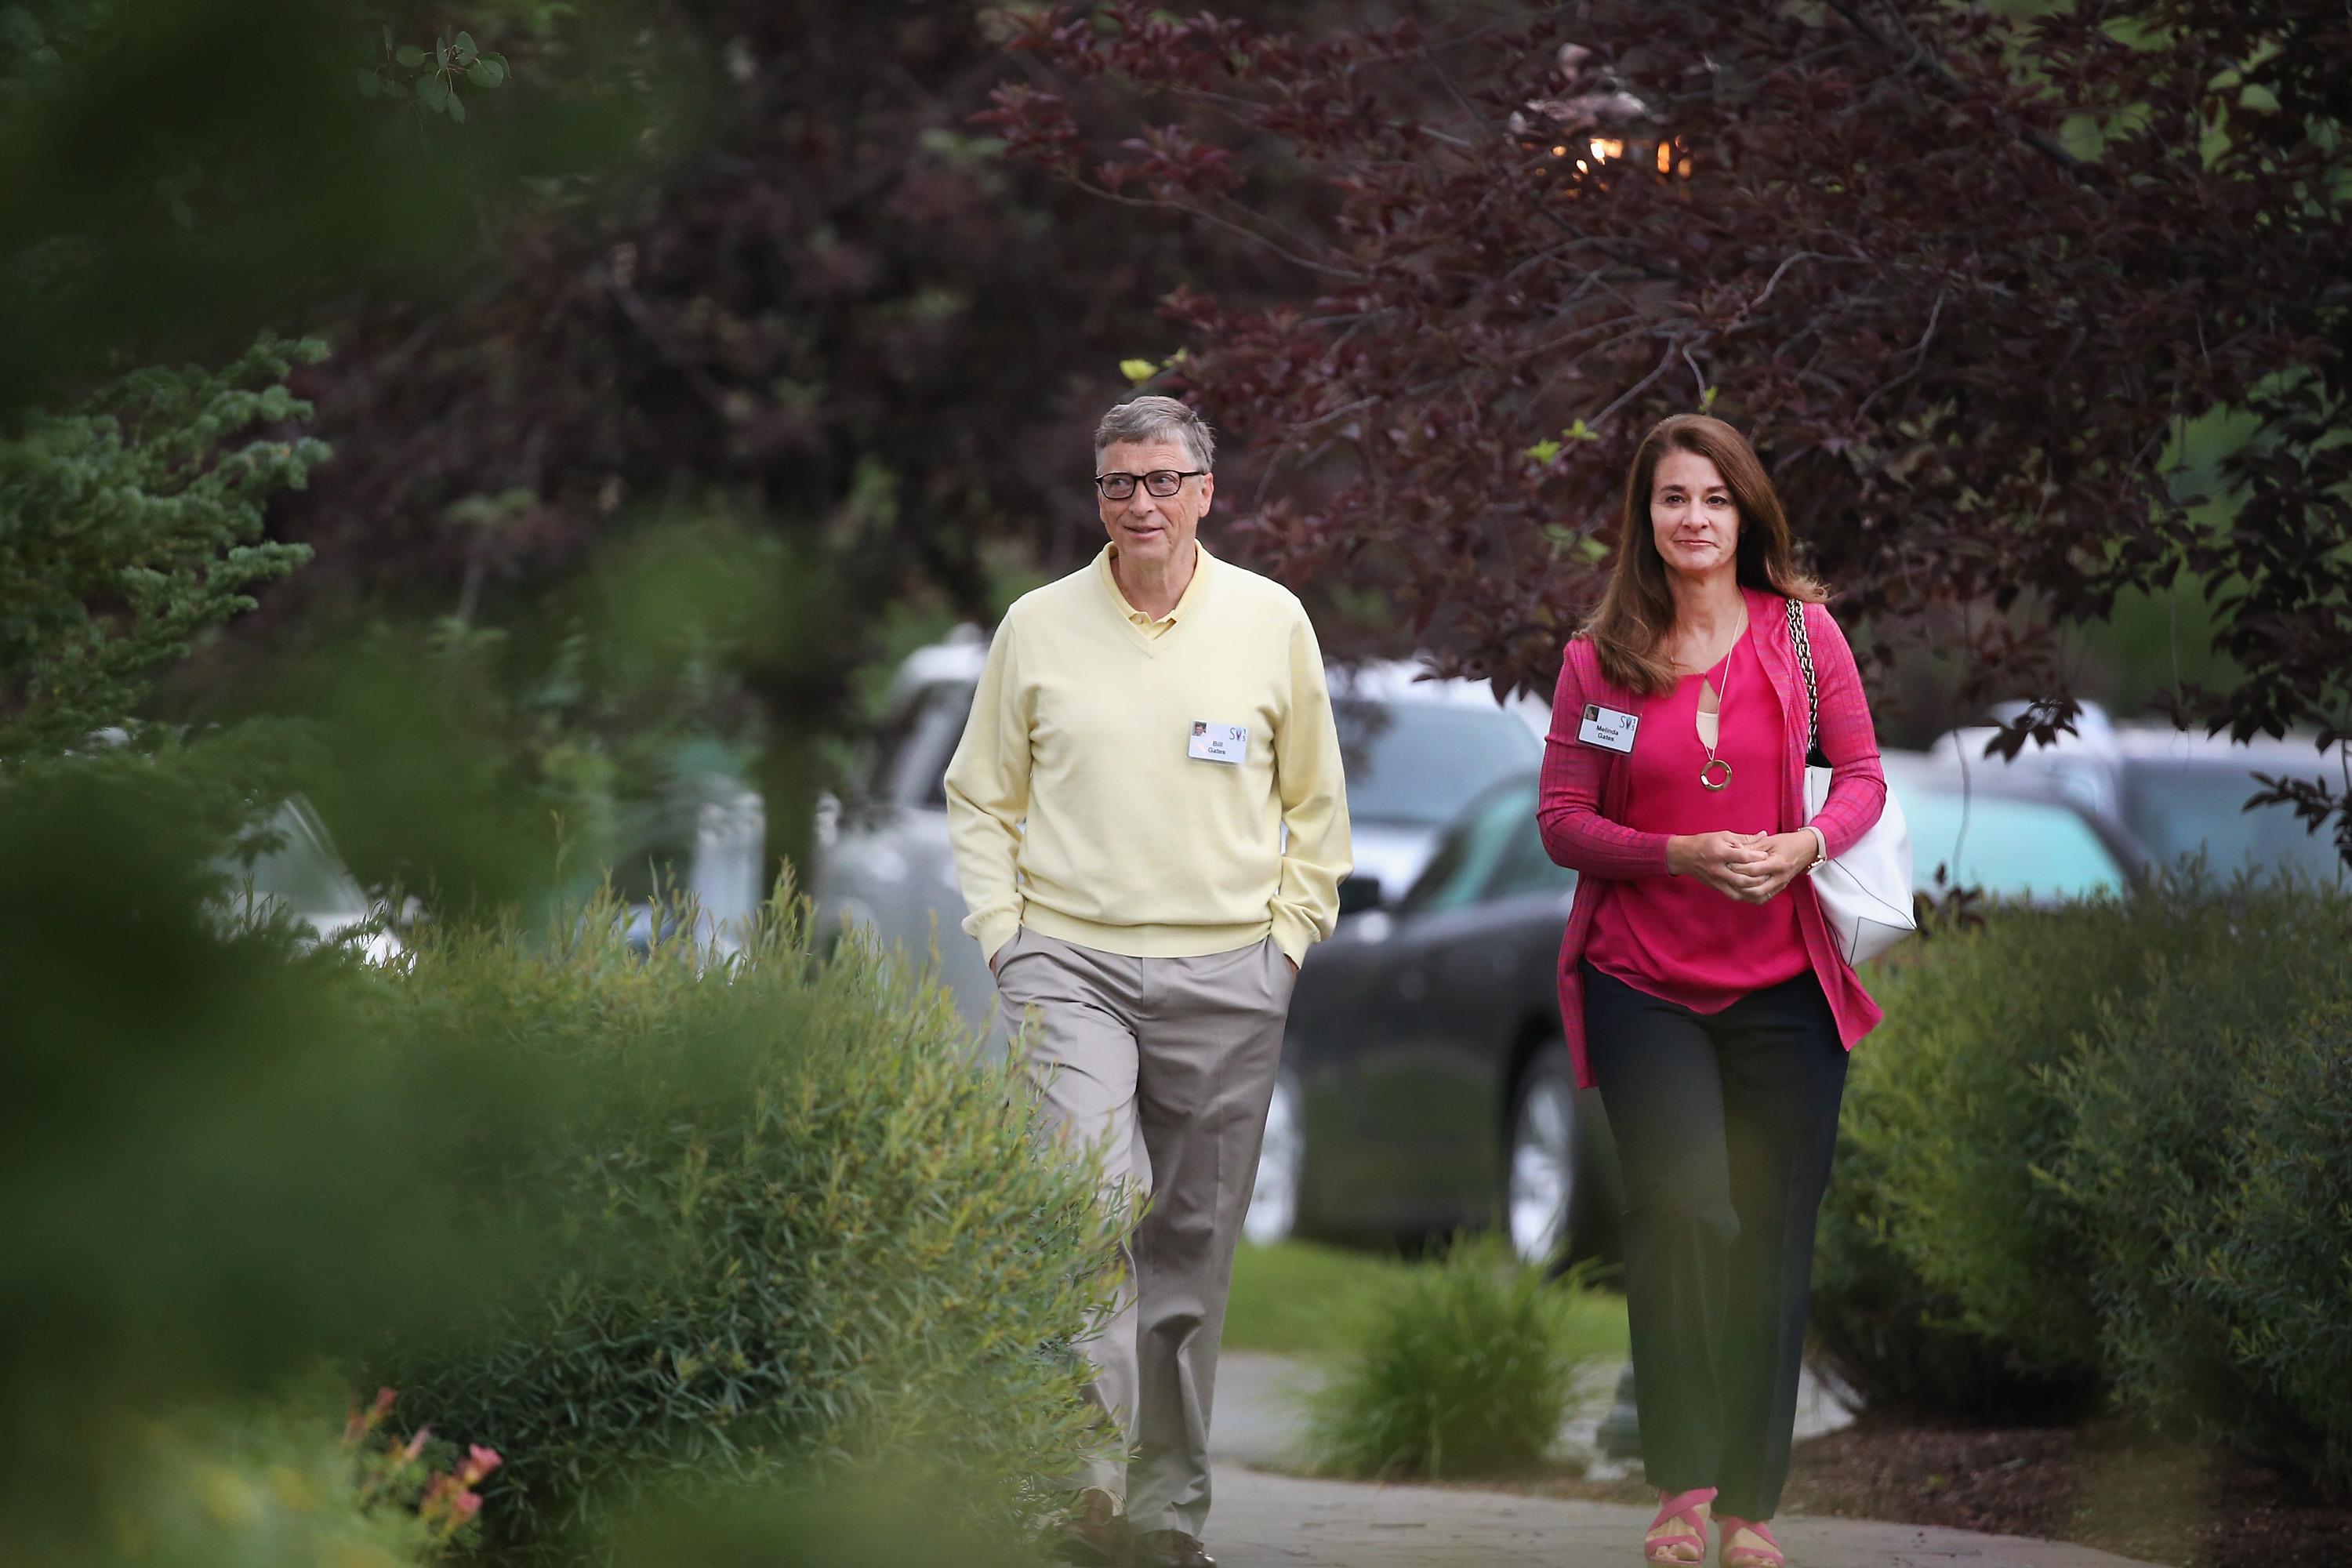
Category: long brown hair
[1637,612]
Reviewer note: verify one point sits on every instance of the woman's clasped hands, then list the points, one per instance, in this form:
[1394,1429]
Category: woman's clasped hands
[1752,868]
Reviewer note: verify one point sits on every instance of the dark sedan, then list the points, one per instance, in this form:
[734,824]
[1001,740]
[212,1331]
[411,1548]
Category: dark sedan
[1425,1086]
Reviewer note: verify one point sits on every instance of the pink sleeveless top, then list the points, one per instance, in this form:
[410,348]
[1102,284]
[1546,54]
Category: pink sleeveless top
[1676,937]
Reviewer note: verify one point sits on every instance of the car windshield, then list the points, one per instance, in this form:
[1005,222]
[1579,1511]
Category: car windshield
[1421,762]
[1494,852]
[2183,811]
[301,872]
[2006,848]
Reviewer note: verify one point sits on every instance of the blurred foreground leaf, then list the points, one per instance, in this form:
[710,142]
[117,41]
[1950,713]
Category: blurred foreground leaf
[169,182]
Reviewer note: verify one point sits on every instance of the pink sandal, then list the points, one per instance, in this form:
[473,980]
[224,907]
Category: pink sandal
[1766,1556]
[1683,1507]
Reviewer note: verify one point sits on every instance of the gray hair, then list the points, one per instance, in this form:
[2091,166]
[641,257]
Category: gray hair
[1158,419]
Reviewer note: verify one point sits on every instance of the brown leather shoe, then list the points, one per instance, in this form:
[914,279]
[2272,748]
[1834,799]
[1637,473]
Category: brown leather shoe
[1170,1549]
[1092,1532]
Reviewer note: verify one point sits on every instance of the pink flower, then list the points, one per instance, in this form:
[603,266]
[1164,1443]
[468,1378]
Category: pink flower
[415,1444]
[479,1462]
[360,1426]
[448,1504]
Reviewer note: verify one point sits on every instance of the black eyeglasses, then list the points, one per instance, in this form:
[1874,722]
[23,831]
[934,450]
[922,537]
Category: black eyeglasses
[1161,482]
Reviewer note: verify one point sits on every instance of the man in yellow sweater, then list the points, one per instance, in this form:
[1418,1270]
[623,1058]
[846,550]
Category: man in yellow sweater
[1150,825]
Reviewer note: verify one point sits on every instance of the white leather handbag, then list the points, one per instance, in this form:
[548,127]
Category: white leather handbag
[1866,893]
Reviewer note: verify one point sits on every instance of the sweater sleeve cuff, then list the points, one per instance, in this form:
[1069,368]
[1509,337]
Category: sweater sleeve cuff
[993,932]
[1293,935]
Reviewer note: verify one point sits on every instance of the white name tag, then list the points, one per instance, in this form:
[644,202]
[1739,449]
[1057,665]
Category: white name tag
[1219,742]
[1608,729]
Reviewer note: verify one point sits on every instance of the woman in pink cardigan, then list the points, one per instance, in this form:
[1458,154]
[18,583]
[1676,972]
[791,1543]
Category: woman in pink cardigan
[1698,984]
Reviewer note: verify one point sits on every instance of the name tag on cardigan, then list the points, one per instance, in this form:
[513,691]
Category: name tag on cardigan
[1219,742]
[1608,729]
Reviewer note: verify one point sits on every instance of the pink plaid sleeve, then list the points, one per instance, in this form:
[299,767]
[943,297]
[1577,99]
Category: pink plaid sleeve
[1857,783]
[1568,801]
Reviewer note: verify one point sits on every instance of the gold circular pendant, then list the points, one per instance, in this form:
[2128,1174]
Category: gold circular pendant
[1713,764]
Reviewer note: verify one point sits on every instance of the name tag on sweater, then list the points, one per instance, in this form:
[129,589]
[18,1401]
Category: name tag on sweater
[1219,742]
[1608,729]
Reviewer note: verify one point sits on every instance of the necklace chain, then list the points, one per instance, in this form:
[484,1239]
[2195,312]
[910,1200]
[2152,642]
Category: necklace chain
[1738,632]
[1722,700]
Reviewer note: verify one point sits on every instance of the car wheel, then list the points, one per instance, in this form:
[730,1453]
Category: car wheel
[1281,1166]
[1541,1185]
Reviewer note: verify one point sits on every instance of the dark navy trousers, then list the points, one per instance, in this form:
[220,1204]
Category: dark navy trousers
[1725,1124]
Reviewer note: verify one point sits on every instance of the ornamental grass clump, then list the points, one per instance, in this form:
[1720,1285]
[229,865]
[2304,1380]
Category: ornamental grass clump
[1467,1370]
[803,1229]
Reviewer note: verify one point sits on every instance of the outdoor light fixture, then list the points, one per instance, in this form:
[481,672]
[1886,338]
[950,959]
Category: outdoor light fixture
[1672,157]
[1579,120]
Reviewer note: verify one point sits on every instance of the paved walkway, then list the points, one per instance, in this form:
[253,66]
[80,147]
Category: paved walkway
[1264,1520]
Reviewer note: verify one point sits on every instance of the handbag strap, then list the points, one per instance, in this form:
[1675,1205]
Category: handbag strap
[1812,687]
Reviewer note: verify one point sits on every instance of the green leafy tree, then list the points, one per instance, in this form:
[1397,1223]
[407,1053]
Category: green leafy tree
[132,526]
[1979,280]
[131,517]
[180,174]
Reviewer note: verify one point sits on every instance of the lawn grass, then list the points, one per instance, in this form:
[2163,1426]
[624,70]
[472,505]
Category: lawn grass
[1305,1300]
[1592,1324]
[1301,1299]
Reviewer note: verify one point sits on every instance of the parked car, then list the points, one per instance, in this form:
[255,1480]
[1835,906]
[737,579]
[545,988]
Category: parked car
[2009,835]
[303,880]
[884,866]
[700,845]
[1415,752]
[1425,1086]
[2178,793]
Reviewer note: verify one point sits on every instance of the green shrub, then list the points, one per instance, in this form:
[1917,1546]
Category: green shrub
[1891,1342]
[618,1218]
[2029,1198]
[2209,1183]
[1948,1117]
[264,1484]
[1948,1278]
[213,1172]
[1466,1370]
[2278,1268]
[835,1239]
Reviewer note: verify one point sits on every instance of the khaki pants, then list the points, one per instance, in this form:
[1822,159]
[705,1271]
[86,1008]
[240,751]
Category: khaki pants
[1167,1064]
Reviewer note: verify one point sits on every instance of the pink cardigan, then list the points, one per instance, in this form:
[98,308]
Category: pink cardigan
[1581,802]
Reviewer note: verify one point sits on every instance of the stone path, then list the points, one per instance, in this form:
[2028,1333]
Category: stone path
[1264,1520]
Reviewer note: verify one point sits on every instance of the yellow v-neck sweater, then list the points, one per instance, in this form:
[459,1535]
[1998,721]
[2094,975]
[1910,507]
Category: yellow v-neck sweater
[1077,806]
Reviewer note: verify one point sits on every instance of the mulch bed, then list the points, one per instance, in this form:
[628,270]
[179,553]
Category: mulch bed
[2106,1486]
